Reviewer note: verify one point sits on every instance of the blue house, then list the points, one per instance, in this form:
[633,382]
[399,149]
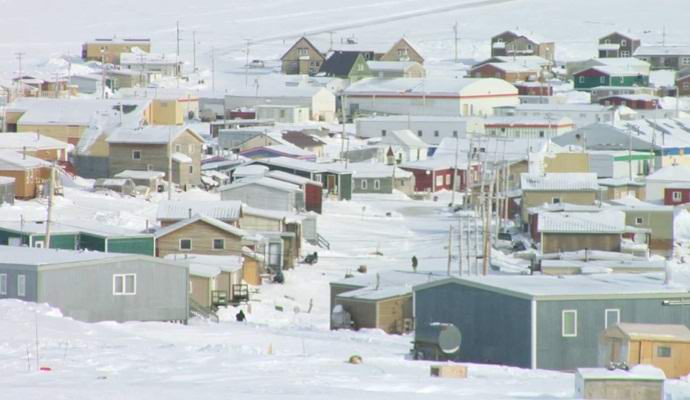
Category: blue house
[544,322]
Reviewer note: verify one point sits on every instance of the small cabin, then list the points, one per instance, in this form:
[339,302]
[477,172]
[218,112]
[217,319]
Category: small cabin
[664,346]
[122,186]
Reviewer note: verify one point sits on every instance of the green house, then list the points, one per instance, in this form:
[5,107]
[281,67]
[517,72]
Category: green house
[608,76]
[350,65]
[77,235]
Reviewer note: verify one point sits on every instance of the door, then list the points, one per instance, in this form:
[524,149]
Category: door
[275,251]
[330,183]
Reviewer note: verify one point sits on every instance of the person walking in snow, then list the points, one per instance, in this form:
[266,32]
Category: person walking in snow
[240,316]
[414,263]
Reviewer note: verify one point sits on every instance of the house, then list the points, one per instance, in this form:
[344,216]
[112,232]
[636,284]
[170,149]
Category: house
[336,180]
[571,231]
[303,58]
[109,50]
[508,71]
[95,286]
[33,86]
[608,76]
[600,92]
[266,193]
[312,190]
[593,261]
[169,106]
[616,188]
[35,145]
[201,235]
[278,150]
[396,69]
[174,211]
[615,45]
[381,178]
[29,173]
[305,142]
[533,89]
[429,96]
[620,166]
[435,174]
[290,114]
[376,301]
[664,57]
[554,188]
[683,82]
[117,185]
[7,190]
[657,219]
[214,281]
[665,346]
[580,114]
[676,194]
[152,65]
[154,148]
[402,50]
[320,101]
[633,101]
[351,65]
[433,129]
[527,127]
[149,179]
[620,384]
[405,145]
[662,178]
[554,322]
[511,43]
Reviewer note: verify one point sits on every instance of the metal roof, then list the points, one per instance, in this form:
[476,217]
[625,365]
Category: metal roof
[603,222]
[182,209]
[566,181]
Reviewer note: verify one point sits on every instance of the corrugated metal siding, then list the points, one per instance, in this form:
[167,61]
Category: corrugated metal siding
[93,243]
[567,353]
[601,164]
[132,246]
[495,328]
[12,273]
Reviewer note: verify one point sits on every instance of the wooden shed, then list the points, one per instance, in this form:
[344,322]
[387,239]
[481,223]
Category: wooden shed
[664,346]
[385,308]
[600,383]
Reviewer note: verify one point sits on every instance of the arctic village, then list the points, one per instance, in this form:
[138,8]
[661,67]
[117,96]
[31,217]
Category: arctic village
[301,199]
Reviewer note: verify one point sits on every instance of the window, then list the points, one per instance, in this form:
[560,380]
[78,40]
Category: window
[383,132]
[124,284]
[419,133]
[185,244]
[303,51]
[149,167]
[21,285]
[625,53]
[677,196]
[136,154]
[360,67]
[3,284]
[377,184]
[612,316]
[455,134]
[319,178]
[190,148]
[363,184]
[569,323]
[39,244]
[639,221]
[191,169]
[685,60]
[281,113]
[556,200]
[439,180]
[602,79]
[623,42]
[178,148]
[663,351]
[218,244]
[541,134]
[435,133]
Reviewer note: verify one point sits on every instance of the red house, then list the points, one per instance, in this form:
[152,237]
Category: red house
[634,101]
[678,193]
[313,190]
[533,89]
[432,175]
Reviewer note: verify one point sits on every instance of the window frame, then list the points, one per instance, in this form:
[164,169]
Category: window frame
[136,152]
[377,184]
[213,244]
[639,220]
[664,347]
[179,244]
[563,314]
[607,324]
[363,184]
[677,196]
[21,285]
[3,284]
[124,291]
[555,200]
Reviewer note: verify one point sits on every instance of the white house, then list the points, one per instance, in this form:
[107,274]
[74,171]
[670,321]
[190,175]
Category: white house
[406,146]
[319,100]
[429,96]
[431,129]
[265,193]
[580,114]
[659,180]
[527,127]
[152,65]
[282,113]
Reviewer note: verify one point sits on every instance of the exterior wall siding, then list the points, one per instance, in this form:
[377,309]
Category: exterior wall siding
[202,236]
[31,282]
[533,199]
[560,242]
[261,197]
[144,246]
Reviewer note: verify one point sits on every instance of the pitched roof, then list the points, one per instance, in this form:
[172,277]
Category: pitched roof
[291,178]
[671,173]
[339,63]
[665,332]
[417,86]
[301,139]
[208,220]
[263,181]
[226,210]
[295,44]
[159,134]
[604,222]
[566,181]
[136,174]
[403,137]
[82,112]
[30,140]
[40,256]
[301,165]
[14,161]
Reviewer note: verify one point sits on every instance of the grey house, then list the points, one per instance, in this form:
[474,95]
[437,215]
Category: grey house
[94,286]
[543,322]
[266,193]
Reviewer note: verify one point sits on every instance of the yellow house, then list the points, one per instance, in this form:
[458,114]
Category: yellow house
[109,50]
[402,50]
[566,162]
[302,58]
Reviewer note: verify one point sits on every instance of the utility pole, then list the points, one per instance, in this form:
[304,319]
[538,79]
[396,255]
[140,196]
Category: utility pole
[170,163]
[194,50]
[455,36]
[246,64]
[102,73]
[330,46]
[455,172]
[460,233]
[19,55]
[51,190]
[630,154]
[476,244]
[177,40]
[450,243]
[342,117]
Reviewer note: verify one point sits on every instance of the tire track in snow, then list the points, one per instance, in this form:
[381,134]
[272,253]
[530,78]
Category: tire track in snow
[368,22]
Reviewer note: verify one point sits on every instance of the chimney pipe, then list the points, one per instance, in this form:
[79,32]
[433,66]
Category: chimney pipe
[667,273]
[24,152]
[190,213]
